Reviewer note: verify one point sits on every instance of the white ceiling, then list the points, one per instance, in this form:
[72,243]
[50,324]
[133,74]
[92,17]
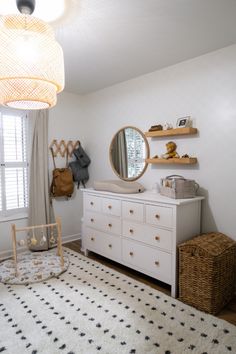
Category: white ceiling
[109,41]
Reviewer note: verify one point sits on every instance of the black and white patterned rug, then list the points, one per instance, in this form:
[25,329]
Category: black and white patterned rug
[94,309]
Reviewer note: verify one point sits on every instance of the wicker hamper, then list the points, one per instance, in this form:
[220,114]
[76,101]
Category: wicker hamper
[207,271]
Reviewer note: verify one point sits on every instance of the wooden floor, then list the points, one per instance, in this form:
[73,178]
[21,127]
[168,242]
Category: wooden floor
[228,313]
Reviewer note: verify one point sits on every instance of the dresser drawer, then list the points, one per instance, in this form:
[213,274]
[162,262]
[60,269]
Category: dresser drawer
[91,239]
[111,224]
[92,203]
[148,234]
[107,223]
[133,211]
[111,206]
[159,215]
[102,243]
[94,220]
[147,259]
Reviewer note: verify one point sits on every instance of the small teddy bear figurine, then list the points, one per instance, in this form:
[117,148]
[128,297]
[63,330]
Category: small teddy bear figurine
[171,151]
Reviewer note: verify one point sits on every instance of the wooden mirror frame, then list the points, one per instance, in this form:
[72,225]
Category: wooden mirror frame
[131,179]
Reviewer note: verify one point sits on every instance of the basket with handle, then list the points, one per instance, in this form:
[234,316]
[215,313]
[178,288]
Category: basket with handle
[178,187]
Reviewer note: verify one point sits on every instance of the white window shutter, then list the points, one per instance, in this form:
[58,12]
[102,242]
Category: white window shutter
[16,188]
[14,165]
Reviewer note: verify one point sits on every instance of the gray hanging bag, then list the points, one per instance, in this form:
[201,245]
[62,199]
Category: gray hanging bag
[80,174]
[80,166]
[81,157]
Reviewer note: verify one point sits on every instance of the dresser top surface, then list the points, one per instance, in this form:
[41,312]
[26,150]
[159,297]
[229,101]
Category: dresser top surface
[144,196]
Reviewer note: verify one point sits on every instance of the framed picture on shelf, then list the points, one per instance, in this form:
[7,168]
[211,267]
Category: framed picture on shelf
[184,122]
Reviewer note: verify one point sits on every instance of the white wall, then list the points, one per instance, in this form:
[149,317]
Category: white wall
[66,121]
[204,88]
[5,236]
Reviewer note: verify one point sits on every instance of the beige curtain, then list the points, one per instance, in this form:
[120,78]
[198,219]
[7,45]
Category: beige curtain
[119,154]
[40,208]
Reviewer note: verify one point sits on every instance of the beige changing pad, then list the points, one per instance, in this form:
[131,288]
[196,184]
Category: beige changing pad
[118,186]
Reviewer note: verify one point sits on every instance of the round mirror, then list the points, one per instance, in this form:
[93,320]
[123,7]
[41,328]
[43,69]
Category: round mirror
[129,150]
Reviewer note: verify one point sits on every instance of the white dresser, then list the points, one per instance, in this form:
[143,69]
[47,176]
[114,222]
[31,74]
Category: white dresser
[141,231]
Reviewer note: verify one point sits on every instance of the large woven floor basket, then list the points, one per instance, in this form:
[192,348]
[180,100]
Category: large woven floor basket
[207,271]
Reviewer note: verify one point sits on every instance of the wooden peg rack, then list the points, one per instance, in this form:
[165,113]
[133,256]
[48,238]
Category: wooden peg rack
[59,147]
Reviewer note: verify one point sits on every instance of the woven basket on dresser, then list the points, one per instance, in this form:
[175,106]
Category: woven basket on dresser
[207,271]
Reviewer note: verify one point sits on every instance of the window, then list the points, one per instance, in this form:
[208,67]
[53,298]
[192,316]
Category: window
[136,151]
[13,163]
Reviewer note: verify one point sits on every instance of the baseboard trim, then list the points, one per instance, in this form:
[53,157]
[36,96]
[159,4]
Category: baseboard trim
[8,253]
[70,238]
[65,239]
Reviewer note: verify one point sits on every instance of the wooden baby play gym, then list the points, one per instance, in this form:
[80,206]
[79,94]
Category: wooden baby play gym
[31,266]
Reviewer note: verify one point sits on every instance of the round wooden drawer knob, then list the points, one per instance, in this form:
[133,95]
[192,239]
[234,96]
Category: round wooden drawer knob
[131,211]
[131,254]
[92,220]
[91,203]
[92,238]
[157,263]
[110,246]
[157,238]
[131,231]
[110,225]
[157,216]
[109,207]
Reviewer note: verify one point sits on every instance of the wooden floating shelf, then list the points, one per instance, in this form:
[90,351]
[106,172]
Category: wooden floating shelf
[174,161]
[171,132]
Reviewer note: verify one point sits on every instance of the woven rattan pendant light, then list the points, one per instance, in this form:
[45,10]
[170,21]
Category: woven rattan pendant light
[31,61]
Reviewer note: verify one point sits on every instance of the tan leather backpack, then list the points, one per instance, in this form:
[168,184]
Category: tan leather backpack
[62,180]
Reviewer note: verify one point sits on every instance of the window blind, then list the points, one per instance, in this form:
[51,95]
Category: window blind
[14,164]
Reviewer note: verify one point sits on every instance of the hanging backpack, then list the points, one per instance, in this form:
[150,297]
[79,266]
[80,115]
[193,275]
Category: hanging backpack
[81,157]
[80,174]
[80,166]
[62,180]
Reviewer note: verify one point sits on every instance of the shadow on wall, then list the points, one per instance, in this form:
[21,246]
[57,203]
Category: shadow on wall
[208,223]
[175,168]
